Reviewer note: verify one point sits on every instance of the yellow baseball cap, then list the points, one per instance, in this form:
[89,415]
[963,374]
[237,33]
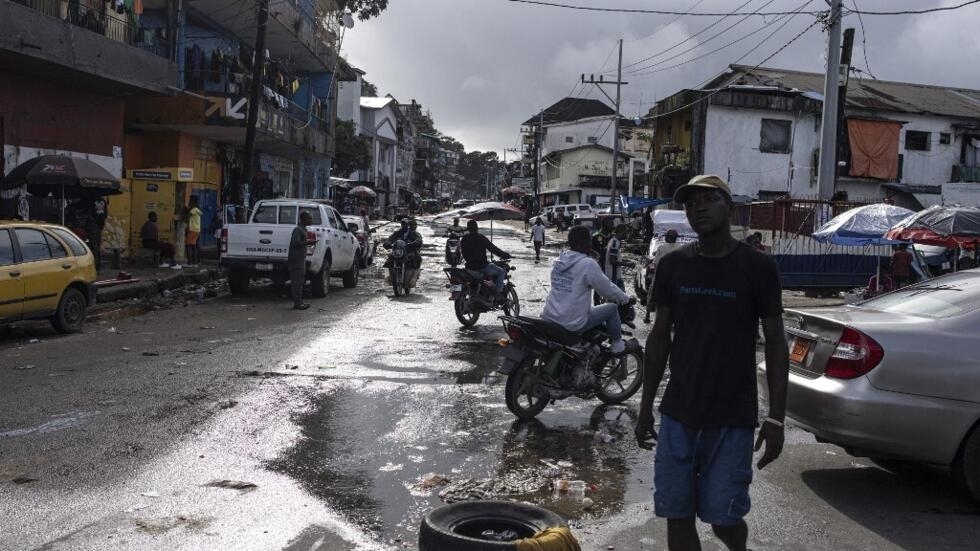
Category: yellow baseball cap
[702,181]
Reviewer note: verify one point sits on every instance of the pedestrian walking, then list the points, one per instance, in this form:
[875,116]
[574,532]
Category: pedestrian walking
[193,232]
[712,293]
[296,262]
[599,241]
[537,238]
[901,266]
[613,258]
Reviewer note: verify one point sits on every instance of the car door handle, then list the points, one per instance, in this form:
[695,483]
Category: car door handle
[14,274]
[66,266]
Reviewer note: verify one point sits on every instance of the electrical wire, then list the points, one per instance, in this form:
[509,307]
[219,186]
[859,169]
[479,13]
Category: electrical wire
[661,12]
[665,25]
[913,12]
[864,42]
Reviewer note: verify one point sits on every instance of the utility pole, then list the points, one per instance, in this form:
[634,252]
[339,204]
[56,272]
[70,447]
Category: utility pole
[251,123]
[828,135]
[842,133]
[538,143]
[619,84]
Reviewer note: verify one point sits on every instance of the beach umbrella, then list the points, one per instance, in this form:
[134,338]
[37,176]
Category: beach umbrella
[945,226]
[64,177]
[362,192]
[865,225]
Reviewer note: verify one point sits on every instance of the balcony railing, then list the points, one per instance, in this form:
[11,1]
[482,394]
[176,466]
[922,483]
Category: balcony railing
[966,173]
[98,20]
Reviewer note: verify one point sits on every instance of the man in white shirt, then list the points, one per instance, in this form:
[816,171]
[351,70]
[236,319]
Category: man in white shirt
[573,277]
[614,260]
[537,237]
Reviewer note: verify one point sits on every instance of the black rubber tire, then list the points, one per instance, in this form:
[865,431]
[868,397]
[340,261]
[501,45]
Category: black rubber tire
[361,260]
[351,276]
[70,315]
[459,306]
[238,282]
[634,377]
[320,282]
[966,467]
[514,386]
[515,310]
[448,527]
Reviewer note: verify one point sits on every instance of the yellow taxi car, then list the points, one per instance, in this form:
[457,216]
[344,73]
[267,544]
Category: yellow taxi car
[46,271]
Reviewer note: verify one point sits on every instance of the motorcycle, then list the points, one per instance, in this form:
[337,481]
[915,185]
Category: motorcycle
[544,362]
[403,267]
[453,254]
[473,293]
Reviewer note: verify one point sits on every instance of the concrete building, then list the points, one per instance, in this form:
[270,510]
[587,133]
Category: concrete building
[760,128]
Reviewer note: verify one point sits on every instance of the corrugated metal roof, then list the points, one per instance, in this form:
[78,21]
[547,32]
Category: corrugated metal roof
[375,103]
[571,109]
[865,94]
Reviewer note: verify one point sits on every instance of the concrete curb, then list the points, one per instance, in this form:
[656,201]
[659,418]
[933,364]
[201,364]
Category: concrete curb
[151,288]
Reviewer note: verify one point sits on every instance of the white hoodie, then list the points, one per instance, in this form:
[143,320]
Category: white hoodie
[573,276]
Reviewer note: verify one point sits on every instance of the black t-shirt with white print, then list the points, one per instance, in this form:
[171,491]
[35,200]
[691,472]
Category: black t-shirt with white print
[716,304]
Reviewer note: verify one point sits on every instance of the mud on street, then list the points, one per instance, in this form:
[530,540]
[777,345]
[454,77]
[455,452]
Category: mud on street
[234,422]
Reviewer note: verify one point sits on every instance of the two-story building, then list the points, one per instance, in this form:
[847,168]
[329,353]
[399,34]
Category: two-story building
[760,129]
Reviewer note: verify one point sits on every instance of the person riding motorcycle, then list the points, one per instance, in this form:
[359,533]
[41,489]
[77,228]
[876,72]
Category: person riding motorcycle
[410,235]
[574,275]
[453,232]
[474,247]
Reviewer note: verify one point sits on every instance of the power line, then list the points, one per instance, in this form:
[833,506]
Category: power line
[668,12]
[864,41]
[913,12]
[667,24]
[732,43]
[698,45]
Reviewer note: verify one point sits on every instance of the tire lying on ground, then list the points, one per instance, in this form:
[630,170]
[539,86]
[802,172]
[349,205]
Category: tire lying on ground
[458,526]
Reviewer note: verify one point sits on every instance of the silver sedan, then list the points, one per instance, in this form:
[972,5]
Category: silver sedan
[896,377]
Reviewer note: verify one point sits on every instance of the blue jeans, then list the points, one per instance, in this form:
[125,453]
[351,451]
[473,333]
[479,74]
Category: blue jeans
[498,274]
[705,472]
[606,315]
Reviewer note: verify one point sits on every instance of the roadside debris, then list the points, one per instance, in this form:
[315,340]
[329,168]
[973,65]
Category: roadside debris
[150,494]
[23,367]
[232,485]
[227,404]
[432,480]
[23,480]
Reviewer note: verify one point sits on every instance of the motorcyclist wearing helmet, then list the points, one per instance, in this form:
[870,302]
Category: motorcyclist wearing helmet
[573,277]
[474,247]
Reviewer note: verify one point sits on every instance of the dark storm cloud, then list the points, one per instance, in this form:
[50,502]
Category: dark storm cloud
[484,66]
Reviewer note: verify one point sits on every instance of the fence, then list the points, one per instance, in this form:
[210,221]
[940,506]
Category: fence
[96,19]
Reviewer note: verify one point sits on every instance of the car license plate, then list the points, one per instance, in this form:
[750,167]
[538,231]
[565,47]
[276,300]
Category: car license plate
[455,288]
[263,267]
[799,349]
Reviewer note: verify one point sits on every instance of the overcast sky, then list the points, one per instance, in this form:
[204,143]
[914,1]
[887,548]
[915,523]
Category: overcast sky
[482,67]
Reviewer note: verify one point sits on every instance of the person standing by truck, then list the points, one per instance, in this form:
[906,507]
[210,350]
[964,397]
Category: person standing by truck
[193,232]
[296,263]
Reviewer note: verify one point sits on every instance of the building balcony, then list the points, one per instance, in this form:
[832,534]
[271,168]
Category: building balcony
[303,31]
[965,173]
[72,43]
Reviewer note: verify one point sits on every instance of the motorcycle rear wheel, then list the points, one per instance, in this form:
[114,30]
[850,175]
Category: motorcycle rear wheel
[517,389]
[620,378]
[464,313]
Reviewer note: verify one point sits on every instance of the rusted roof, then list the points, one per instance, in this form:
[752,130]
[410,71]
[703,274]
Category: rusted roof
[571,109]
[863,94]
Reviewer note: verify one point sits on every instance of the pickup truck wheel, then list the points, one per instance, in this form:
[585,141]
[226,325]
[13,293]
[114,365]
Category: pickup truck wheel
[320,282]
[238,282]
[71,312]
[351,276]
[966,467]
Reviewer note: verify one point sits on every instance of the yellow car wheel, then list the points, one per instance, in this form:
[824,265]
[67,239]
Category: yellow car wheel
[71,312]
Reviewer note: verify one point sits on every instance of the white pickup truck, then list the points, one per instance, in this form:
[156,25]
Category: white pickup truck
[260,248]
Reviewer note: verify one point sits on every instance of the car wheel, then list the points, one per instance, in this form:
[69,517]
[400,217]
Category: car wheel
[351,276]
[966,468]
[71,312]
[320,282]
[459,526]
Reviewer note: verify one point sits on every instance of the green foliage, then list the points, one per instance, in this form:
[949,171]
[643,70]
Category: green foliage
[452,144]
[352,152]
[368,90]
[364,9]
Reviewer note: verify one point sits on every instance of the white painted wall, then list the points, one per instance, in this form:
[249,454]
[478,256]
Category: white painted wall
[557,135]
[732,152]
[928,167]
[349,102]
[589,161]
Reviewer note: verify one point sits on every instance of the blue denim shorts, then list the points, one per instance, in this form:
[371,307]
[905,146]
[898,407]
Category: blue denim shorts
[705,472]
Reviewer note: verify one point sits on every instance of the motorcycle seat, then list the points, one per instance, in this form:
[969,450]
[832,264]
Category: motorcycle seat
[553,331]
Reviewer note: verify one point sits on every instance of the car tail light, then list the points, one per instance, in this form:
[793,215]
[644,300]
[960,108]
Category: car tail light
[224,240]
[311,248]
[855,355]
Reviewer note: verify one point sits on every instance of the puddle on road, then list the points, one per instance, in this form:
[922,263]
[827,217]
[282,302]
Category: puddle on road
[58,422]
[365,453]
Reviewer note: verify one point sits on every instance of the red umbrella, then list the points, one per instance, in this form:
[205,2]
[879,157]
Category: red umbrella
[941,226]
[513,190]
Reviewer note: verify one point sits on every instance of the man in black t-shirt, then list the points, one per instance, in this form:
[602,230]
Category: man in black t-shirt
[712,293]
[474,247]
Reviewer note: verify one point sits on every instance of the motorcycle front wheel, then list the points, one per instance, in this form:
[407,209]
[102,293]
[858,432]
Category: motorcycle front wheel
[514,307]
[396,281]
[464,313]
[521,393]
[620,377]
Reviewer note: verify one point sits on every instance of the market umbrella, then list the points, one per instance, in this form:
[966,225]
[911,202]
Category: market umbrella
[940,225]
[513,190]
[491,210]
[63,176]
[863,226]
[362,192]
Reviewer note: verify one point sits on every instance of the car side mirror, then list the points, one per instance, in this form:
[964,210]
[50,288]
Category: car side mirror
[352,227]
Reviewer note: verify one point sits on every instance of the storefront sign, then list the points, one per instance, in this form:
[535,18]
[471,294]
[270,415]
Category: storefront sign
[151,175]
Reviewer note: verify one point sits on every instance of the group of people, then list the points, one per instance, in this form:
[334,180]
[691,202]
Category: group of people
[150,237]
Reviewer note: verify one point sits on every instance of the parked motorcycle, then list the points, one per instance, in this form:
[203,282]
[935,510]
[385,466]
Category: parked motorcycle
[473,294]
[403,266]
[544,362]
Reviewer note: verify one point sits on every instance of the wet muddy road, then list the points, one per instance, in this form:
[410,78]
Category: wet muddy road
[235,422]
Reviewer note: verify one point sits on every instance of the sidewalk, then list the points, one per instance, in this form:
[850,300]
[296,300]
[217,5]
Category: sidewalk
[145,281]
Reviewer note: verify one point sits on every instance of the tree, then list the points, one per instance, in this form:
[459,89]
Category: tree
[352,152]
[452,144]
[368,90]
[364,9]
